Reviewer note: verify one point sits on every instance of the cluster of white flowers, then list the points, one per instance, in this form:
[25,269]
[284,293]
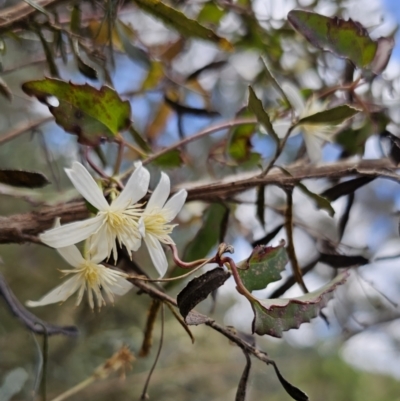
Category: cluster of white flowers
[124,221]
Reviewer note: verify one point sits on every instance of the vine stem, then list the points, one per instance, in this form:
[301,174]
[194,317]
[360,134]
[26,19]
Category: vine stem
[198,135]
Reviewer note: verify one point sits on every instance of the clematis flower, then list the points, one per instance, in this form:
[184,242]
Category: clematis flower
[314,134]
[88,275]
[118,221]
[154,223]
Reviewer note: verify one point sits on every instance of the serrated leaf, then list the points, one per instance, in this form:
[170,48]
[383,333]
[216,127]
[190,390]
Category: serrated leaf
[334,116]
[264,266]
[200,288]
[274,316]
[25,179]
[185,26]
[268,237]
[346,39]
[172,159]
[89,113]
[256,106]
[208,235]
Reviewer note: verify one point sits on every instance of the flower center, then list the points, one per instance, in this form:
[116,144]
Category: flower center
[91,274]
[156,224]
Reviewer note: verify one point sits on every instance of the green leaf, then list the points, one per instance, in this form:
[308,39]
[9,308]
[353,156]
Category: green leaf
[256,106]
[346,39]
[275,83]
[321,201]
[84,68]
[134,53]
[50,57]
[89,113]
[239,146]
[25,179]
[208,235]
[171,159]
[210,13]
[187,27]
[333,116]
[264,266]
[273,316]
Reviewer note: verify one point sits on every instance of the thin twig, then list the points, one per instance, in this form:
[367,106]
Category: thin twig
[290,246]
[144,395]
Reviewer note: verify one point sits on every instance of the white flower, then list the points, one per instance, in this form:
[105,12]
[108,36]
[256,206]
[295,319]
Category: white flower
[154,223]
[314,134]
[118,221]
[88,275]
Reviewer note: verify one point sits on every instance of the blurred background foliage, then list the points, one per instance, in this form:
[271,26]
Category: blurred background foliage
[181,78]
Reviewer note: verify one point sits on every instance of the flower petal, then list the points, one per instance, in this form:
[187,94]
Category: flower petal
[314,147]
[121,286]
[59,294]
[71,255]
[281,128]
[87,186]
[157,254]
[160,194]
[294,97]
[174,205]
[71,233]
[134,190]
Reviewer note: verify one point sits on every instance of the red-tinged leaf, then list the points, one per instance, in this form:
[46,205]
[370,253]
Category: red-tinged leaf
[346,39]
[91,114]
[274,316]
[264,266]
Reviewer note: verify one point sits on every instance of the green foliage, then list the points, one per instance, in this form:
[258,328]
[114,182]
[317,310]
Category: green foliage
[184,25]
[264,266]
[334,116]
[83,110]
[208,235]
[347,39]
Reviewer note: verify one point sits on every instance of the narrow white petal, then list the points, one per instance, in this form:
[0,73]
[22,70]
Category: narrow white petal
[121,286]
[294,97]
[98,246]
[314,147]
[71,255]
[174,205]
[134,190]
[71,233]
[59,294]
[157,254]
[160,194]
[87,186]
[281,128]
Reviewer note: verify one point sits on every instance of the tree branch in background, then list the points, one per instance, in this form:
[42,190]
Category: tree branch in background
[25,227]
